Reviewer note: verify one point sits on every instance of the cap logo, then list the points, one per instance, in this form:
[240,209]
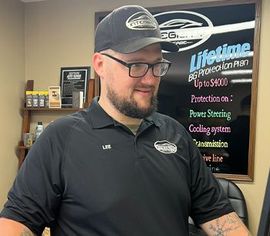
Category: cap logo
[141,21]
[165,147]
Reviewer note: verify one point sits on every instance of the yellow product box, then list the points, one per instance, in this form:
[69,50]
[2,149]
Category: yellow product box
[41,98]
[35,95]
[28,99]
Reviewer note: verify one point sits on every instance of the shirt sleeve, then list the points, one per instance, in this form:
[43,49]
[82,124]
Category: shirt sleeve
[208,198]
[36,191]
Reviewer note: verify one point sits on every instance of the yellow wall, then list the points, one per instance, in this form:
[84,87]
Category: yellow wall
[11,88]
[60,33]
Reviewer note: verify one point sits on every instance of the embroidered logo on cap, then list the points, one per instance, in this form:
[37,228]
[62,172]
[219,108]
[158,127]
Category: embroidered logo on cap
[141,21]
[165,147]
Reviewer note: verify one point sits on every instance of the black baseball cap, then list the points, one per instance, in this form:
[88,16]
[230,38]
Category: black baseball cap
[128,29]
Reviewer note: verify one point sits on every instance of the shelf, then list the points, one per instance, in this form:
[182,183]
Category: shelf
[23,147]
[51,109]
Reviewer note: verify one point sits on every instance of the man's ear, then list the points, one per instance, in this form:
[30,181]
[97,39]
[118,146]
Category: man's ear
[98,63]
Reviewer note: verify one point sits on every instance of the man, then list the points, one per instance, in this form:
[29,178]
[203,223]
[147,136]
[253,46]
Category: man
[119,167]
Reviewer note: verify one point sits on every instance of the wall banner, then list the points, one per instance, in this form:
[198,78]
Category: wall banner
[212,83]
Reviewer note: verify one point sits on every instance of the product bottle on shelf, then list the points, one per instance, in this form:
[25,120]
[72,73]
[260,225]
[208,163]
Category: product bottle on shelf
[39,129]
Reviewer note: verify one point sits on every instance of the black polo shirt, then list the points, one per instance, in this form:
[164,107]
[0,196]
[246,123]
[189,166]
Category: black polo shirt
[90,175]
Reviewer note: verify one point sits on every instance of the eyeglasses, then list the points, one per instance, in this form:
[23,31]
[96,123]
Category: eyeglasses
[139,69]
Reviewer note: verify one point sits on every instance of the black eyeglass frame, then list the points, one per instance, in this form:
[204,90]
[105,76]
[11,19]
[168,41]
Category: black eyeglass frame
[129,65]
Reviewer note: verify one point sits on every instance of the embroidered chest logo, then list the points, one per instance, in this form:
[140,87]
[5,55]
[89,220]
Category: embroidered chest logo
[165,147]
[106,146]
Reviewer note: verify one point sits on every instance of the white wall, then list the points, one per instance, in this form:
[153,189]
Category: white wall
[11,88]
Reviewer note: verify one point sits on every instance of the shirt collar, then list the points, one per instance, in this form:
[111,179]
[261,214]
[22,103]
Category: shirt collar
[100,119]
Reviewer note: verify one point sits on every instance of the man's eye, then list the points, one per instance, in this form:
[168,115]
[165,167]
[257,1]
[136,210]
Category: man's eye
[139,66]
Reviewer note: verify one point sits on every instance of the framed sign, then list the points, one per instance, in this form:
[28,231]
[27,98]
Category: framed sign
[73,79]
[211,87]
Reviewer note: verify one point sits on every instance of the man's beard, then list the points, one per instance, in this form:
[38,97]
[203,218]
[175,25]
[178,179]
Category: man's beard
[130,108]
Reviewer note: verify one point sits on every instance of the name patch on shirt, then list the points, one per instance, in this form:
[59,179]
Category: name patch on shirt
[106,146]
